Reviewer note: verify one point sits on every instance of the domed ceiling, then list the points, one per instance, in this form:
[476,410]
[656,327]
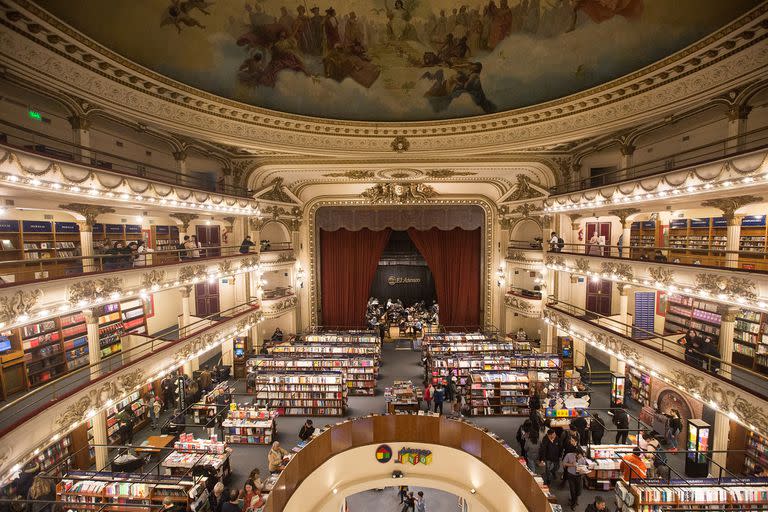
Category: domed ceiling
[395,60]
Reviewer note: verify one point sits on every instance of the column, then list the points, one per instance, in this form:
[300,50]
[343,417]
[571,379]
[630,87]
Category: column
[727,324]
[625,162]
[732,235]
[226,173]
[81,137]
[100,439]
[184,219]
[86,248]
[737,127]
[623,214]
[579,345]
[181,165]
[575,227]
[626,234]
[94,347]
[184,321]
[624,306]
[721,430]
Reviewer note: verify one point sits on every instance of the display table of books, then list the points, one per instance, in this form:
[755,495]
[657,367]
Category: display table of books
[189,452]
[249,425]
[723,494]
[401,397]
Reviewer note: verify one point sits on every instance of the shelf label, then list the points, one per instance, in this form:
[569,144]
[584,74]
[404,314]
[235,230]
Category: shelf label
[7,226]
[720,222]
[162,230]
[133,229]
[753,220]
[678,223]
[98,228]
[67,227]
[700,223]
[115,229]
[649,224]
[36,226]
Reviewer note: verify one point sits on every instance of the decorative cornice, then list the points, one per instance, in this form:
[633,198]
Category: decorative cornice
[525,209]
[398,192]
[582,264]
[400,144]
[523,306]
[89,211]
[185,219]
[153,279]
[622,270]
[91,290]
[353,175]
[728,286]
[729,205]
[281,305]
[42,42]
[275,192]
[524,189]
[18,304]
[662,275]
[192,273]
[442,174]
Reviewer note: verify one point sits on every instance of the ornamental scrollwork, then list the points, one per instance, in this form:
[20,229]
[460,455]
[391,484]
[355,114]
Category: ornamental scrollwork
[398,192]
[284,304]
[185,219]
[582,265]
[18,304]
[153,278]
[733,286]
[662,275]
[113,389]
[249,262]
[192,272]
[517,256]
[225,267]
[555,260]
[276,192]
[525,189]
[729,205]
[525,209]
[505,223]
[94,289]
[88,211]
[353,175]
[520,304]
[619,269]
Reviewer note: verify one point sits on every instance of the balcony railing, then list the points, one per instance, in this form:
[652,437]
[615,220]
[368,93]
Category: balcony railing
[728,146]
[16,272]
[41,397]
[704,254]
[670,345]
[21,137]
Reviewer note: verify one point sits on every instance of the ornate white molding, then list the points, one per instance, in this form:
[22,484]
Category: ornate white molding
[737,403]
[279,306]
[530,308]
[32,39]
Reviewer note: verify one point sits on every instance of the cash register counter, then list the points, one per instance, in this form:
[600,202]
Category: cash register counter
[492,477]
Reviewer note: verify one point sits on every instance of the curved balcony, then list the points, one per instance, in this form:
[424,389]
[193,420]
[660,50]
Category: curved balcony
[343,458]
[52,287]
[57,407]
[731,388]
[524,302]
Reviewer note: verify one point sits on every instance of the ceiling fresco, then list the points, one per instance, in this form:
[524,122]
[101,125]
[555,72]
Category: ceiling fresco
[395,60]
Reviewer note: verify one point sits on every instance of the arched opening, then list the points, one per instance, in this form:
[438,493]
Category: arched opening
[526,230]
[274,237]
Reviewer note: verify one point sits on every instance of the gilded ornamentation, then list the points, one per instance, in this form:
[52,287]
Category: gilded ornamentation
[582,264]
[153,278]
[400,144]
[185,219]
[18,304]
[522,306]
[283,304]
[398,192]
[255,223]
[447,173]
[113,389]
[516,256]
[525,209]
[662,275]
[93,289]
[619,269]
[729,205]
[192,272]
[276,192]
[230,221]
[524,189]
[564,166]
[733,286]
[623,213]
[225,267]
[89,211]
[555,260]
[251,261]
[285,256]
[505,223]
[353,175]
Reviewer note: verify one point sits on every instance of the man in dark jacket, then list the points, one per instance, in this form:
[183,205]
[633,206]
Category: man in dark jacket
[597,428]
[579,424]
[598,506]
[245,246]
[307,429]
[439,397]
[549,456]
[621,420]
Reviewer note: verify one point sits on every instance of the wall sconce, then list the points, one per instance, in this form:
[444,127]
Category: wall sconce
[500,277]
[299,276]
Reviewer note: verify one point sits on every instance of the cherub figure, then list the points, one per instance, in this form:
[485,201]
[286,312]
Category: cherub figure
[177,13]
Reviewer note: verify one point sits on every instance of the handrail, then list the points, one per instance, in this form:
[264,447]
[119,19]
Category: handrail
[703,254]
[407,428]
[103,160]
[743,143]
[669,345]
[63,386]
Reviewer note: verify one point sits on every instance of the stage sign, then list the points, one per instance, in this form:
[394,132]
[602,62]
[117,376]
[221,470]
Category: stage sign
[395,280]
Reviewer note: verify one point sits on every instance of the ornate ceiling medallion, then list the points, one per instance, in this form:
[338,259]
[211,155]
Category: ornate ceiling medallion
[400,144]
[398,192]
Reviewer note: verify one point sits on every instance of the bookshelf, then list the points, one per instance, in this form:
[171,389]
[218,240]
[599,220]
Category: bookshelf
[301,394]
[54,453]
[756,452]
[499,394]
[110,328]
[133,317]
[642,237]
[686,312]
[249,425]
[164,238]
[189,452]
[136,402]
[43,355]
[730,496]
[752,241]
[214,401]
[360,371]
[75,339]
[641,385]
[401,397]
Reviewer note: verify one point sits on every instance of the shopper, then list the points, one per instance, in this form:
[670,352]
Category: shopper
[217,497]
[710,355]
[569,443]
[597,428]
[451,388]
[571,462]
[535,402]
[275,457]
[549,456]
[168,386]
[522,436]
[421,505]
[402,493]
[306,430]
[190,248]
[247,493]
[232,505]
[245,246]
[674,427]
[196,253]
[621,421]
[255,477]
[556,243]
[428,391]
[409,503]
[182,247]
[127,420]
[42,489]
[599,505]
[169,505]
[439,397]
[257,501]
[536,425]
[692,342]
[579,424]
[151,401]
[140,258]
[633,466]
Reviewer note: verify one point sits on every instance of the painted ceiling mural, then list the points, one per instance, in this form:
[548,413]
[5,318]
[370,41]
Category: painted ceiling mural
[395,60]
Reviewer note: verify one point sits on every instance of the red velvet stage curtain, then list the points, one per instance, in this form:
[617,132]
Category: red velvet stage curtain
[348,262]
[454,259]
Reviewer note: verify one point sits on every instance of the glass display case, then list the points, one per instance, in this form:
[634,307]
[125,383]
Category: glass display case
[697,445]
[618,383]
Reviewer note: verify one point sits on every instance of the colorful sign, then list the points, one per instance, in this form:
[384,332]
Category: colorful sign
[36,226]
[384,453]
[414,456]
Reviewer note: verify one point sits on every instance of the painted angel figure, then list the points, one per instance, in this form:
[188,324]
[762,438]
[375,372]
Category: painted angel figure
[177,13]
[399,20]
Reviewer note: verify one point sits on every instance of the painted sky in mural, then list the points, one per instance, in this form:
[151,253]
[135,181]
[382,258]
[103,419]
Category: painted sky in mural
[396,60]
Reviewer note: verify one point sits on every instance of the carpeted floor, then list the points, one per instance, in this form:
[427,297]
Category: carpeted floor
[398,365]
